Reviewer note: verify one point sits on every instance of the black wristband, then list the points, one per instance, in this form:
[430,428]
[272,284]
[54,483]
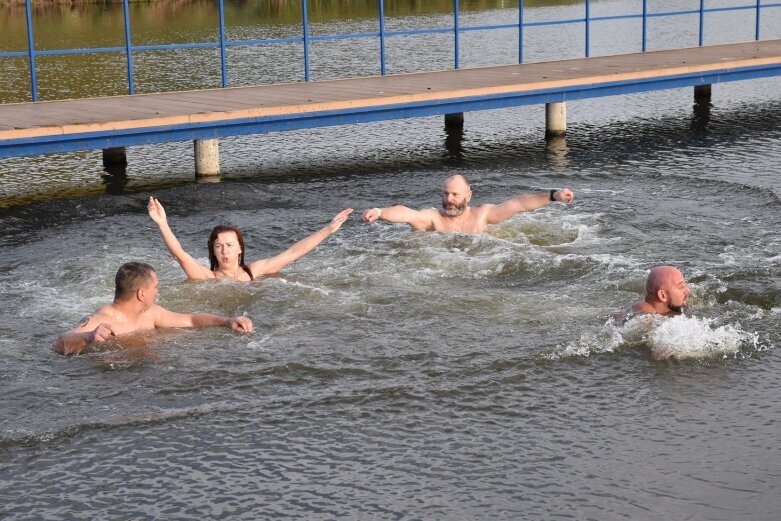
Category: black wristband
[552,194]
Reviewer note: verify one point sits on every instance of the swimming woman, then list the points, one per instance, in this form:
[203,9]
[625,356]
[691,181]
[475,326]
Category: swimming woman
[226,249]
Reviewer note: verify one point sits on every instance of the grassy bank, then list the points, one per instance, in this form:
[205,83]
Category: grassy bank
[70,2]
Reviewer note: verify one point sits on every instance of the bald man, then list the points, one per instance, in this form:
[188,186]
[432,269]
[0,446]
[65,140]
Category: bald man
[457,216]
[666,293]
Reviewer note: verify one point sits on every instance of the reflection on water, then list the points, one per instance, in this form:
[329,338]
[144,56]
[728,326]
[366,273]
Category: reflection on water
[396,374]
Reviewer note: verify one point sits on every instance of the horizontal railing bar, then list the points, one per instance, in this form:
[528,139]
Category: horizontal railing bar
[542,23]
[412,32]
[732,8]
[487,27]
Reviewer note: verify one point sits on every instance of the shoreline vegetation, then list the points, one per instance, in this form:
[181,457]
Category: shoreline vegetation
[282,4]
[287,7]
[71,2]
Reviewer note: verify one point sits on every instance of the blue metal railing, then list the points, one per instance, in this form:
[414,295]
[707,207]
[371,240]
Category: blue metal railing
[456,25]
[520,31]
[31,49]
[128,49]
[587,28]
[645,24]
[382,37]
[306,39]
[223,66]
[305,25]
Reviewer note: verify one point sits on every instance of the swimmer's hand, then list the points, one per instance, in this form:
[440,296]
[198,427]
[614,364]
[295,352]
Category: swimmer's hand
[101,333]
[340,218]
[241,324]
[76,342]
[371,215]
[564,195]
[156,211]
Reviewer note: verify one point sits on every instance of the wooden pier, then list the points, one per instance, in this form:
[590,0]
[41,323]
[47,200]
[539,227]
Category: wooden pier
[121,121]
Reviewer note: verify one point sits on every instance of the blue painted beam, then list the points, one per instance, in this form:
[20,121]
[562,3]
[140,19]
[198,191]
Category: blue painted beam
[187,132]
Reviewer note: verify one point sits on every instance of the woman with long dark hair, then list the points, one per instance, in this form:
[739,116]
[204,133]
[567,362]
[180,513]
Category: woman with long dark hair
[226,249]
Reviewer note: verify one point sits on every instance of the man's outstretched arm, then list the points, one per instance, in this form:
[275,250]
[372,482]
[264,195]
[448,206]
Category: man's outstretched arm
[165,318]
[526,203]
[418,219]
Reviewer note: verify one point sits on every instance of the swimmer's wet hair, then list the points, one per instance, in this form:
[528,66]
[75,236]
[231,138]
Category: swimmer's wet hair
[131,276]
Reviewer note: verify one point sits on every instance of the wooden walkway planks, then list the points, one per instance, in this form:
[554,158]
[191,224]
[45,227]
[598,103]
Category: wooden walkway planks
[124,113]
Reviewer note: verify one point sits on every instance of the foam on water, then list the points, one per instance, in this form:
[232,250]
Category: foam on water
[529,244]
[307,288]
[605,340]
[676,338]
[684,337]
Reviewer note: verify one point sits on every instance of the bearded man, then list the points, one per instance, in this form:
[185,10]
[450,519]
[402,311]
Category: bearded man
[666,293]
[457,216]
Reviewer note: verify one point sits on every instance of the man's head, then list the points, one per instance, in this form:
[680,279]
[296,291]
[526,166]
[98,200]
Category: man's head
[136,280]
[456,194]
[665,286]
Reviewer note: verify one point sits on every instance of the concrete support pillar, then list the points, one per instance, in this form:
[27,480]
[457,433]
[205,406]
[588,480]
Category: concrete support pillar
[555,118]
[116,156]
[207,157]
[455,120]
[702,91]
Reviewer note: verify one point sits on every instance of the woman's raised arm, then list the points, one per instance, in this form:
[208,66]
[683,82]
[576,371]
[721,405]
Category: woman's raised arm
[191,267]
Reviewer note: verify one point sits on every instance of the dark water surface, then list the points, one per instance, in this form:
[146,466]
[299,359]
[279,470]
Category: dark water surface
[403,375]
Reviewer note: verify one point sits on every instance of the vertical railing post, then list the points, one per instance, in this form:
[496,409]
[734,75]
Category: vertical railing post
[588,26]
[520,31]
[305,21]
[128,49]
[31,50]
[702,21]
[645,24]
[382,37]
[223,68]
[455,31]
[756,30]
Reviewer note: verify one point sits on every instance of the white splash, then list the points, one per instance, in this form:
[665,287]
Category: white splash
[676,338]
[606,340]
[685,337]
[297,284]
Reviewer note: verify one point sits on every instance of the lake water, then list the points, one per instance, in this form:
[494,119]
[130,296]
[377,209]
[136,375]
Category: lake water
[404,375]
